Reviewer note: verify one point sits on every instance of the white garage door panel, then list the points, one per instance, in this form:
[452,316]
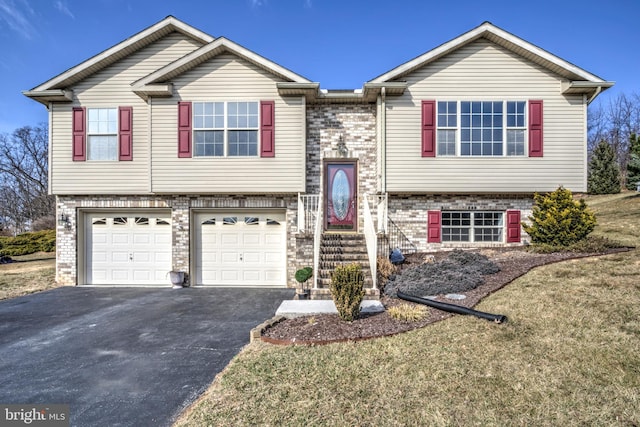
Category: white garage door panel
[241,249]
[127,249]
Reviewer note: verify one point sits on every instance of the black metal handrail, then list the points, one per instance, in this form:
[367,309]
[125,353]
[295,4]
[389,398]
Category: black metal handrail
[394,238]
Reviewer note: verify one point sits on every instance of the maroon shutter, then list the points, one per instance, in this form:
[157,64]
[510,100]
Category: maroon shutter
[433,227]
[79,142]
[125,133]
[428,128]
[267,129]
[513,226]
[535,129]
[184,129]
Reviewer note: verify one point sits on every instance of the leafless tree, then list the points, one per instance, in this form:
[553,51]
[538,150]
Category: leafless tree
[614,122]
[24,177]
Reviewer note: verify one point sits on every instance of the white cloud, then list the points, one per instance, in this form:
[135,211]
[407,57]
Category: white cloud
[307,4]
[16,18]
[258,3]
[62,7]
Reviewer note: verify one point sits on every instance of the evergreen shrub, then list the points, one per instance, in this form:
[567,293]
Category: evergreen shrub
[347,290]
[558,220]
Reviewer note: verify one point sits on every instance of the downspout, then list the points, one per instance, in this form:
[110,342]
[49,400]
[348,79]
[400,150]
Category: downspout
[596,93]
[150,136]
[383,141]
[49,175]
[50,147]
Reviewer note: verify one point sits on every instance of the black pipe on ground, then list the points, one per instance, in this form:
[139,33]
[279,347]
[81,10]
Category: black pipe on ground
[452,308]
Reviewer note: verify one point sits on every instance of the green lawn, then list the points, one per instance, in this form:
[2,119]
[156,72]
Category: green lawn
[570,355]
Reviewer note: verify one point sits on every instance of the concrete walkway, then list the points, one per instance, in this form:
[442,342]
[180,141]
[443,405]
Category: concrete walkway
[297,308]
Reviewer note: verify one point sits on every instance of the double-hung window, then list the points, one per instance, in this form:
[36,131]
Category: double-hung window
[102,134]
[447,128]
[225,129]
[481,128]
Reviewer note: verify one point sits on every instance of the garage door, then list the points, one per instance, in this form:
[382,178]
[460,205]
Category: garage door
[128,249]
[241,249]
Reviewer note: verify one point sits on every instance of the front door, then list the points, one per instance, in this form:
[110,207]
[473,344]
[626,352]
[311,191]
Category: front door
[341,195]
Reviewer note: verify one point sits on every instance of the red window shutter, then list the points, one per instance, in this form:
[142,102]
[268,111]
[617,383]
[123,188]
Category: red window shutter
[513,226]
[125,133]
[535,129]
[79,142]
[184,129]
[267,129]
[428,128]
[433,227]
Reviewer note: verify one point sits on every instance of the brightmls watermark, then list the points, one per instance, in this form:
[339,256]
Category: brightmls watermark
[34,415]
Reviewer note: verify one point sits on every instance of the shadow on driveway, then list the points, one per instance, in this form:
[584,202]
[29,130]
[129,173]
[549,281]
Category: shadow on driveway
[129,356]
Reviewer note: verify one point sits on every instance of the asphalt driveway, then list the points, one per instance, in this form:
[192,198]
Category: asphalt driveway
[128,356]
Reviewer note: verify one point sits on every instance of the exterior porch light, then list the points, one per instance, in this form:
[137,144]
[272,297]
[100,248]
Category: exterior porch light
[63,220]
[342,147]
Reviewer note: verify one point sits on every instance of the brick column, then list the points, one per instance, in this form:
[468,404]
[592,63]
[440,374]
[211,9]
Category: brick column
[180,225]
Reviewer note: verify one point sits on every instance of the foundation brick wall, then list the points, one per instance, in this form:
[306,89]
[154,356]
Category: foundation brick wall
[409,212]
[67,239]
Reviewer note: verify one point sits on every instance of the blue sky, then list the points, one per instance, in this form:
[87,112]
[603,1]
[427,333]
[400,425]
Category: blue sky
[339,43]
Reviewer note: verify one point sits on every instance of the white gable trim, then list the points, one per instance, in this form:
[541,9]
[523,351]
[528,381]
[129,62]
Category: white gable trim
[494,34]
[121,50]
[216,47]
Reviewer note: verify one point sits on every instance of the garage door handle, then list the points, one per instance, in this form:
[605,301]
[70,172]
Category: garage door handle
[130,257]
[240,257]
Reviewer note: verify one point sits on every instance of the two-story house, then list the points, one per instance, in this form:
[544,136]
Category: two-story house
[176,150]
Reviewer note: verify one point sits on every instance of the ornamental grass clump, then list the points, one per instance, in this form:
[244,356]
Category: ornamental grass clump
[347,290]
[408,312]
[558,220]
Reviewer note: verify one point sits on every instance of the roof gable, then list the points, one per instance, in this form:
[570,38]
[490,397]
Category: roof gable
[502,38]
[218,46]
[57,87]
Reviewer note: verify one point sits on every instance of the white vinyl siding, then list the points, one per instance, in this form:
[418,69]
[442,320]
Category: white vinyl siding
[482,71]
[109,88]
[227,78]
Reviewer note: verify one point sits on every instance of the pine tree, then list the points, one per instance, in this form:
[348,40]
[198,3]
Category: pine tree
[604,172]
[633,167]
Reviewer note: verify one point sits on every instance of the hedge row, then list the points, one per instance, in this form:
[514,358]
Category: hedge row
[28,243]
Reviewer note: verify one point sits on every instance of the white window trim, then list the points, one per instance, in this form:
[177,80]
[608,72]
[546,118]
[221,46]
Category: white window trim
[472,226]
[89,134]
[225,129]
[458,131]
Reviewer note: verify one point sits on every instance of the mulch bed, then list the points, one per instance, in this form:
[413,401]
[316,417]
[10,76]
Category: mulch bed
[329,328]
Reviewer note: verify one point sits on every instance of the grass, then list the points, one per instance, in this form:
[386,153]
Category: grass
[570,355]
[31,273]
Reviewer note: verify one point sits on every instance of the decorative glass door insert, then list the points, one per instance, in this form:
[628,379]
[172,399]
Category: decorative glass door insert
[341,196]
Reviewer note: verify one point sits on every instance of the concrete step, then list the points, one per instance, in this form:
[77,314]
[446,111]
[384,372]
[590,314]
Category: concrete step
[296,308]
